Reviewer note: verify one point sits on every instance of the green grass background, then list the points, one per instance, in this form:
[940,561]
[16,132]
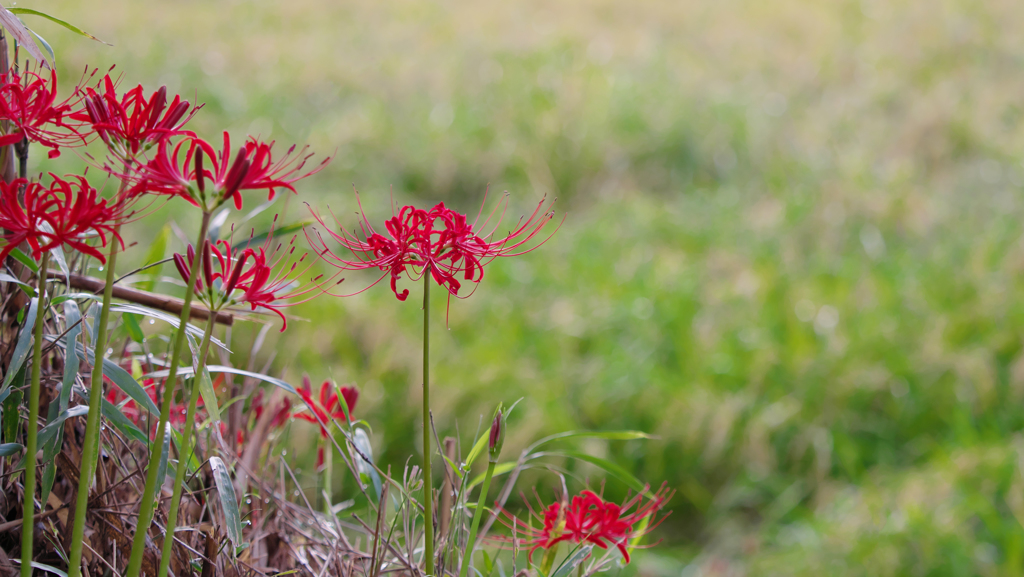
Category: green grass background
[793,246]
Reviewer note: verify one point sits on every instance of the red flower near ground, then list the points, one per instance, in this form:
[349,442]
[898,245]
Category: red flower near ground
[29,102]
[329,405]
[69,212]
[260,277]
[440,238]
[282,412]
[328,408]
[133,122]
[252,167]
[590,519]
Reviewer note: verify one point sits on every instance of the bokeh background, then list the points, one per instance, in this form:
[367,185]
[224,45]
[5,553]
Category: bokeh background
[793,249]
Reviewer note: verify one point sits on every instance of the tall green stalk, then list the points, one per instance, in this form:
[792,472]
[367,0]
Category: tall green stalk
[187,446]
[152,483]
[428,489]
[467,559]
[90,448]
[29,509]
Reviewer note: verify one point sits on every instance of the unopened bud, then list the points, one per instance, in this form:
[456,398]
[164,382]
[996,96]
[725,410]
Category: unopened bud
[497,438]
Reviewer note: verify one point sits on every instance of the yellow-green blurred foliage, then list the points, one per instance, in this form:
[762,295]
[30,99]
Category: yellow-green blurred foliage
[793,248]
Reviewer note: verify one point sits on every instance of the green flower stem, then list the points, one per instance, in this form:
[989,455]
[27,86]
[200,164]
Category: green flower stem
[28,512]
[187,446]
[152,483]
[467,559]
[428,489]
[548,561]
[328,471]
[92,423]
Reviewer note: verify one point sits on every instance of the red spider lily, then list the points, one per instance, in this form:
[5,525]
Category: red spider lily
[252,167]
[329,405]
[259,277]
[133,123]
[328,408]
[393,254]
[590,519]
[440,237]
[281,412]
[69,212]
[29,102]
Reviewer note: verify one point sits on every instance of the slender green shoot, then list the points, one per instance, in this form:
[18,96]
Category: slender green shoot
[90,452]
[187,446]
[28,512]
[146,508]
[428,489]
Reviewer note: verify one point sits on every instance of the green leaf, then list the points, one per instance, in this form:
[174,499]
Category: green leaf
[610,435]
[573,561]
[119,376]
[614,470]
[46,45]
[25,260]
[24,346]
[131,324]
[122,423]
[43,567]
[280,231]
[455,468]
[67,25]
[478,447]
[58,255]
[161,471]
[226,490]
[499,469]
[12,400]
[10,449]
[209,396]
[72,316]
[156,253]
[51,430]
[4,277]
[188,371]
[167,318]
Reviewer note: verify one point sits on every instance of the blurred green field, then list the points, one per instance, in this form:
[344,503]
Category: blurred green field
[793,245]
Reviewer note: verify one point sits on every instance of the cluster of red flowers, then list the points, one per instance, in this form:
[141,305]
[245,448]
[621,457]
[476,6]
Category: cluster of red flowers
[252,168]
[262,276]
[588,518]
[28,101]
[440,240]
[327,409]
[67,212]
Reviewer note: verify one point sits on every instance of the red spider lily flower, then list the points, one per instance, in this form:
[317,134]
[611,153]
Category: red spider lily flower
[440,237]
[133,122]
[329,405]
[29,102]
[328,408]
[69,212]
[590,519]
[260,277]
[281,412]
[393,254]
[252,167]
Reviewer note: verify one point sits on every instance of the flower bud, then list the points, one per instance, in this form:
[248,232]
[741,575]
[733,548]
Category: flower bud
[497,438]
[236,273]
[207,264]
[200,181]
